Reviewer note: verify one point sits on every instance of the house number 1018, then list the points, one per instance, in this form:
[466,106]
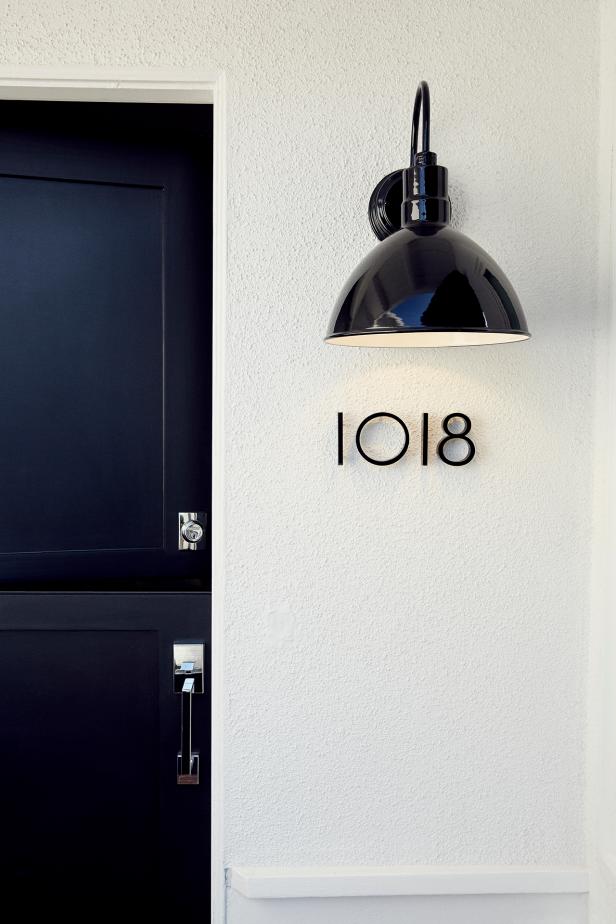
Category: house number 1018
[441,449]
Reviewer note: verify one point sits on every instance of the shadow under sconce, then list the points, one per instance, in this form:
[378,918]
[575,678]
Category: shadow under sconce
[425,284]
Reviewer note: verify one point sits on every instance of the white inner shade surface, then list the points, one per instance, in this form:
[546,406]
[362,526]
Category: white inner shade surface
[425,338]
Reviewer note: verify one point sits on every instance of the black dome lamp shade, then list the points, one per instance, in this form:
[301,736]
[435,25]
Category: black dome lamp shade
[425,284]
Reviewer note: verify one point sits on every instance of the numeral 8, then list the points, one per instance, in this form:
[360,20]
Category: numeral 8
[462,435]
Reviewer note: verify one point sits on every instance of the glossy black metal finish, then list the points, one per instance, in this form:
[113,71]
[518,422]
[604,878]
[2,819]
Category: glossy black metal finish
[422,106]
[430,280]
[425,284]
[385,206]
[425,195]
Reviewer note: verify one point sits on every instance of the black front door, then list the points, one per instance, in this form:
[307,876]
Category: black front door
[105,461]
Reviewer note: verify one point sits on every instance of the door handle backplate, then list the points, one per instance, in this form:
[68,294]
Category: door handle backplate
[187,681]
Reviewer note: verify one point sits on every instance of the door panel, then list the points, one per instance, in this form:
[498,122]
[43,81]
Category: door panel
[105,436]
[93,820]
[80,269]
[105,340]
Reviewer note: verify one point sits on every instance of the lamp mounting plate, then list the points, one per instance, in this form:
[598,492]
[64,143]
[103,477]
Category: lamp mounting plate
[385,206]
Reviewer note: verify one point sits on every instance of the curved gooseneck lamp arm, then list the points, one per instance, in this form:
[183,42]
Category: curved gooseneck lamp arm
[422,106]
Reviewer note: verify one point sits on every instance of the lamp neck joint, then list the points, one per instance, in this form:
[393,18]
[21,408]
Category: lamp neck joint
[425,195]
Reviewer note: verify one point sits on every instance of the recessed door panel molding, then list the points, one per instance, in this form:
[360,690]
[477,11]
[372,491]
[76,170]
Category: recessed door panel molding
[81,353]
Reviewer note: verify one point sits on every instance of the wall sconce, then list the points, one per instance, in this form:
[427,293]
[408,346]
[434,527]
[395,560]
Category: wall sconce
[425,284]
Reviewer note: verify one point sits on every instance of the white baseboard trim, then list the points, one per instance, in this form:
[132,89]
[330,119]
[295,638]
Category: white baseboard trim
[347,881]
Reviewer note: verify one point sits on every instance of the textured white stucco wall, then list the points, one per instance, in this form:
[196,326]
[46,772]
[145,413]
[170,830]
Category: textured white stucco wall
[406,647]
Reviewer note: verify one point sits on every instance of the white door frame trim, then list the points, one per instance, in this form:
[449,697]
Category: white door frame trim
[172,85]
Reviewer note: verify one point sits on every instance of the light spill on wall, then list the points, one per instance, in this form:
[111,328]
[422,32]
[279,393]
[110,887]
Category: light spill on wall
[406,646]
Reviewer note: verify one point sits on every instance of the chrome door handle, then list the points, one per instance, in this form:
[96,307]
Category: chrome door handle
[188,760]
[187,680]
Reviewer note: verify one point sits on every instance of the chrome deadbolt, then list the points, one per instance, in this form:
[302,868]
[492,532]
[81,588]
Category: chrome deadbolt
[191,532]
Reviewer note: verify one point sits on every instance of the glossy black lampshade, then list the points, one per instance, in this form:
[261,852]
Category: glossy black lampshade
[425,284]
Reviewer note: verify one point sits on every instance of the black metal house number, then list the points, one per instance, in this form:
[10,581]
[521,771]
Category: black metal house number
[441,449]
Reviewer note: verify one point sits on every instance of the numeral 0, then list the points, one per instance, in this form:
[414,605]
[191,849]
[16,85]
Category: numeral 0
[360,448]
[440,449]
